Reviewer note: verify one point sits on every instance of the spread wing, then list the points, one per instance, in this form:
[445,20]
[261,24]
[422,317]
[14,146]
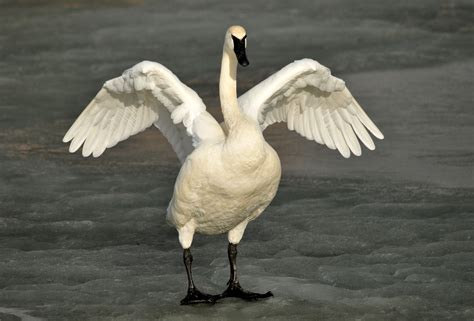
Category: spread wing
[315,104]
[146,94]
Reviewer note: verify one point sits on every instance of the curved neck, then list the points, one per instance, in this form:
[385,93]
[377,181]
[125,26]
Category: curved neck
[228,89]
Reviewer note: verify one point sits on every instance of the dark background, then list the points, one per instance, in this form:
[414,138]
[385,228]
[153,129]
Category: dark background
[385,236]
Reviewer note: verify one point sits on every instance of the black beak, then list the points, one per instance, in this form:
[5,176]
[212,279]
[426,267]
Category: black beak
[239,49]
[242,58]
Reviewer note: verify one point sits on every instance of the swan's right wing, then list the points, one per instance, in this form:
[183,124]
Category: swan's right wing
[146,94]
[315,104]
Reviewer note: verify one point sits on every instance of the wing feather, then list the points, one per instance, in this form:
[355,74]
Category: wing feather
[81,136]
[348,134]
[314,127]
[367,121]
[362,133]
[338,138]
[323,129]
[307,125]
[298,123]
[89,143]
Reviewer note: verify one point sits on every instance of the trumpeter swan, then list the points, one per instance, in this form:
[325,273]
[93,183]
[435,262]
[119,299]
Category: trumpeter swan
[227,177]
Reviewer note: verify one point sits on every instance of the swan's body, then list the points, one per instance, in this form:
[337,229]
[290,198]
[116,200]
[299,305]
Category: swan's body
[228,177]
[225,184]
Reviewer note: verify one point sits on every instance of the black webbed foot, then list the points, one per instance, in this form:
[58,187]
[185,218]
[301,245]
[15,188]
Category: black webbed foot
[195,296]
[235,290]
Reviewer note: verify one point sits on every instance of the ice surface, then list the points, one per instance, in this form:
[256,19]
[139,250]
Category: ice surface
[387,236]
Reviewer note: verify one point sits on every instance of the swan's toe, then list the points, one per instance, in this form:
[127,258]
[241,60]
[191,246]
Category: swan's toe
[235,290]
[195,296]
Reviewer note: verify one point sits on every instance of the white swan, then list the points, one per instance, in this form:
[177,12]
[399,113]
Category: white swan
[228,177]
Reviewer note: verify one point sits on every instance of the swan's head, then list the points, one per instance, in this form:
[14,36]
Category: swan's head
[236,41]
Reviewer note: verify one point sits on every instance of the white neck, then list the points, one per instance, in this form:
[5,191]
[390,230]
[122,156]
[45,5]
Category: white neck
[228,89]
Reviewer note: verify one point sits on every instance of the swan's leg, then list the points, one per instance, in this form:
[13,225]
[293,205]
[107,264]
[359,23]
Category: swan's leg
[193,296]
[233,286]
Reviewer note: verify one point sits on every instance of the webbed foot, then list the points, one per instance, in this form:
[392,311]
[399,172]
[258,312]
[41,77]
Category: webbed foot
[236,291]
[195,296]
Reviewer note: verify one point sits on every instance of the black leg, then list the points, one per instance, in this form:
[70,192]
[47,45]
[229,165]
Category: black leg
[194,295]
[233,287]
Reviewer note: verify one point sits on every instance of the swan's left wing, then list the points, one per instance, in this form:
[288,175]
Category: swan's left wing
[146,94]
[315,104]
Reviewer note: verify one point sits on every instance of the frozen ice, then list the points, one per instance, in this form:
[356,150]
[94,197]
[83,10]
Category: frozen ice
[386,236]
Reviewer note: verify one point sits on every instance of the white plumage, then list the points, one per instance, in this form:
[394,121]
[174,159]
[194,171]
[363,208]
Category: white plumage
[227,178]
[313,103]
[146,94]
